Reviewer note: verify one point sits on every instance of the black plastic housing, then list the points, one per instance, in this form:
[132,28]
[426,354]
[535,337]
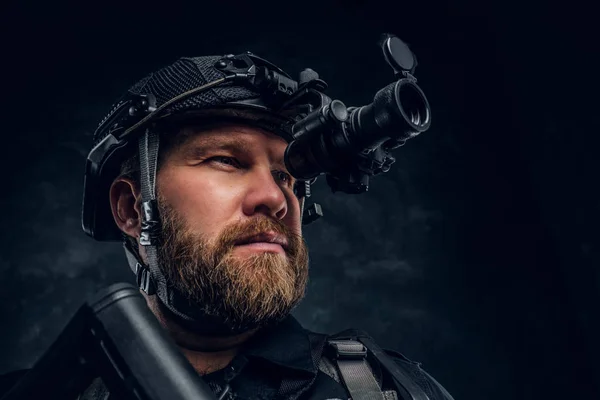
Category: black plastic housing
[115,337]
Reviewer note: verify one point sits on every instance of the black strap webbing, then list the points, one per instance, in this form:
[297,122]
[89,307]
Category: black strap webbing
[148,151]
[350,357]
[440,387]
[407,388]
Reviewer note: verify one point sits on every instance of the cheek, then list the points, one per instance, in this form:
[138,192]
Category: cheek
[204,202]
[292,218]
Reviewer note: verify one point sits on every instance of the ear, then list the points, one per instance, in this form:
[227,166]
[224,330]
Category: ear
[125,203]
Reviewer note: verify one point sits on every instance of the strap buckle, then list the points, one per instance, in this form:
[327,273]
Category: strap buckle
[347,350]
[144,279]
[350,357]
[150,223]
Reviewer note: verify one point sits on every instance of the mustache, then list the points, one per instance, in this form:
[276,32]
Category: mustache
[254,227]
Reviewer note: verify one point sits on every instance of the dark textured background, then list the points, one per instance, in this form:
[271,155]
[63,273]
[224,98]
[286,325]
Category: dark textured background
[477,254]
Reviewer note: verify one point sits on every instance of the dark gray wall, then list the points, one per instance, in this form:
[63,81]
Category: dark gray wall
[477,254]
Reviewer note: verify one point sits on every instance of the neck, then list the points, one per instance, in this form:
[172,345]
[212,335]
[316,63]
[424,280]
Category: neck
[206,353]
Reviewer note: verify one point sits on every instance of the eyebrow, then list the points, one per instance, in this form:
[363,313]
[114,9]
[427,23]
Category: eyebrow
[200,148]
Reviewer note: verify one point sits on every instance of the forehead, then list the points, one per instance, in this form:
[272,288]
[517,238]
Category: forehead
[230,136]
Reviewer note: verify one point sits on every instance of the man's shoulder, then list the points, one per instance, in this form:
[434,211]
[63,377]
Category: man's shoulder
[431,386]
[413,369]
[9,379]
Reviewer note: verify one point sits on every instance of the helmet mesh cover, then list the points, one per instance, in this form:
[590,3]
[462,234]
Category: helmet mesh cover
[184,75]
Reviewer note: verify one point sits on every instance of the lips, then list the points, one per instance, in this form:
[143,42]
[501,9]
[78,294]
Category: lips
[265,237]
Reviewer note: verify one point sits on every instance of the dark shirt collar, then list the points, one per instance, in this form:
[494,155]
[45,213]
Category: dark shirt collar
[286,344]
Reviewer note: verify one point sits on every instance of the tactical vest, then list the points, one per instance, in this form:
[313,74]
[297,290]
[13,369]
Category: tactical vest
[350,358]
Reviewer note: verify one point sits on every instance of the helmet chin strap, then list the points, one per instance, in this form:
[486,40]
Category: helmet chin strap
[149,276]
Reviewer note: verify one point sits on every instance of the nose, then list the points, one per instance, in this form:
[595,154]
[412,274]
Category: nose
[265,196]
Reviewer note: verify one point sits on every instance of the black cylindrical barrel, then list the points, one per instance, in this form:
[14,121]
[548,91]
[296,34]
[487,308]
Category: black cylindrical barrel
[398,112]
[145,348]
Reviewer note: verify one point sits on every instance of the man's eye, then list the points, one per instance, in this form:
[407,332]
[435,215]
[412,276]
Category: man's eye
[283,177]
[225,160]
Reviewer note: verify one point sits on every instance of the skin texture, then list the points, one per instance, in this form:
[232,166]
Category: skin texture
[214,187]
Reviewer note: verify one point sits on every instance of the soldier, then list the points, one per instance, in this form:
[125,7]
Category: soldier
[189,171]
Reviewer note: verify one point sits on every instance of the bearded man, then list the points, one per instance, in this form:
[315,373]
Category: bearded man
[189,170]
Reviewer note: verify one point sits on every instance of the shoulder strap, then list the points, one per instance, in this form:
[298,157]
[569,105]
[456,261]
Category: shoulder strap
[408,389]
[439,386]
[406,386]
[351,359]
